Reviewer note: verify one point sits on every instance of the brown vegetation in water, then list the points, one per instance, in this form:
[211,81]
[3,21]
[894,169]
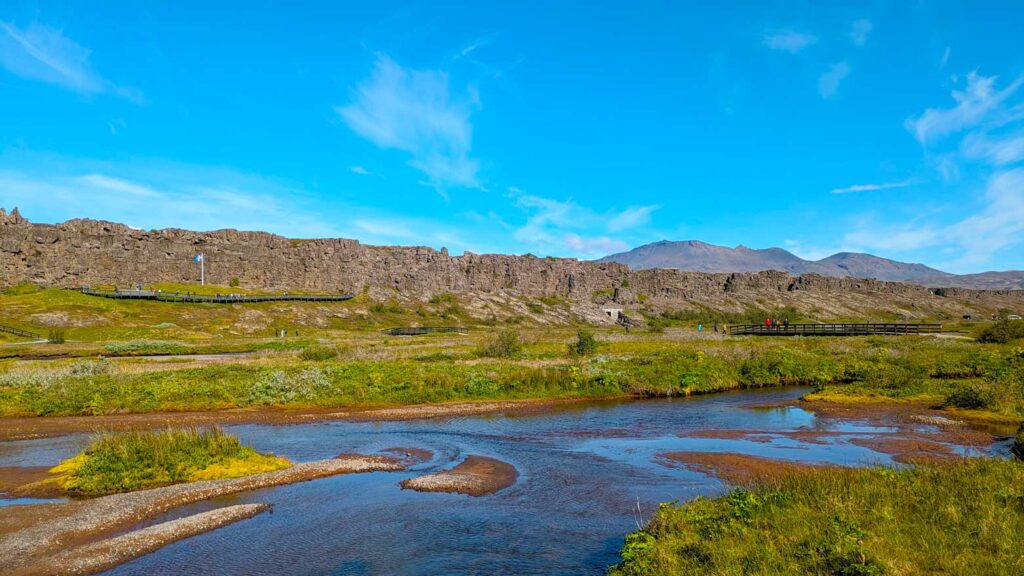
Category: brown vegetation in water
[739,469]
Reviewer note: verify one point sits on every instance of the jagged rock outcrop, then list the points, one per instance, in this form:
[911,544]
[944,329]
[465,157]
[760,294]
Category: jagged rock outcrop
[89,252]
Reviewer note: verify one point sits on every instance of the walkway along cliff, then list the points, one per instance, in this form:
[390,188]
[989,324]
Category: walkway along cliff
[90,252]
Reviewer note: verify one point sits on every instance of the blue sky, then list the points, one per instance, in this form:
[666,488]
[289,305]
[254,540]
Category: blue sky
[567,129]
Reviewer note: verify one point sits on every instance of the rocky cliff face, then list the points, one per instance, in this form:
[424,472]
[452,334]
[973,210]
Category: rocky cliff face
[89,252]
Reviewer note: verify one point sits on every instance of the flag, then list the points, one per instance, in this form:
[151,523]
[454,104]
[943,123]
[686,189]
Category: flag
[198,258]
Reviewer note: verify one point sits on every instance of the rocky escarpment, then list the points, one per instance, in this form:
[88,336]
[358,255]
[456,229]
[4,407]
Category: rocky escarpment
[90,252]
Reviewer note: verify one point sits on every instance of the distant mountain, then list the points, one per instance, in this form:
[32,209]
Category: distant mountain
[693,255]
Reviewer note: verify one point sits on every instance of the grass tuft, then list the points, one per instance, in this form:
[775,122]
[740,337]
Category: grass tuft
[128,461]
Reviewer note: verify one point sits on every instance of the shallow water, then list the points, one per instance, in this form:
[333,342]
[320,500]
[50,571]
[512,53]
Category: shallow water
[582,472]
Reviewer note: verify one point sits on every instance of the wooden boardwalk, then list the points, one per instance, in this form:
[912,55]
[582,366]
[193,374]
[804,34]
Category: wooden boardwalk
[213,298]
[421,330]
[20,332]
[840,329]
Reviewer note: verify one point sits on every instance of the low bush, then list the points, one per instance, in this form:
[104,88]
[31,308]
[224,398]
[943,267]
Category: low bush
[55,336]
[504,344]
[1002,332]
[585,344]
[128,461]
[970,397]
[143,347]
[319,353]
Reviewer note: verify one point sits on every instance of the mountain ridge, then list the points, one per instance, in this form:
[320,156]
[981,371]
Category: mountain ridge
[699,256]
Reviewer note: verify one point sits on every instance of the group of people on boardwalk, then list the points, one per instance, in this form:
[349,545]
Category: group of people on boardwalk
[776,323]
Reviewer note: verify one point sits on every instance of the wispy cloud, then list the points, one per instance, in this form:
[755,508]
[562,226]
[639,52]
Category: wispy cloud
[991,219]
[360,170]
[999,150]
[979,102]
[828,83]
[417,112]
[859,31]
[871,187]
[945,57]
[788,40]
[42,53]
[158,194]
[594,246]
[974,239]
[632,217]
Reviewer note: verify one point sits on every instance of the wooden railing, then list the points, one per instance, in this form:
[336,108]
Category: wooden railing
[213,298]
[838,329]
[20,332]
[420,330]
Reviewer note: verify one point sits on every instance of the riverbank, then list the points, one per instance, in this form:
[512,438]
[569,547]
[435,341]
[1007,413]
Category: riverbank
[951,518]
[30,535]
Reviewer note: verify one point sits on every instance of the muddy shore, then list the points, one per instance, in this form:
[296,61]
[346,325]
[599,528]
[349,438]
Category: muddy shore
[31,535]
[475,476]
[28,427]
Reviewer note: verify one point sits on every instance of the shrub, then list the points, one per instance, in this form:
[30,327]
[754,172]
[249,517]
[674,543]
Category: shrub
[319,353]
[505,344]
[969,398]
[534,307]
[55,336]
[384,308]
[445,298]
[584,345]
[138,460]
[1002,332]
[234,283]
[139,347]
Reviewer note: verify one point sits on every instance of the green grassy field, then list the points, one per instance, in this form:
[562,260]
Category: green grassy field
[961,518]
[342,359]
[372,370]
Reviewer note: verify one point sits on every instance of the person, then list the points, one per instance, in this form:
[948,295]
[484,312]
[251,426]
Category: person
[700,327]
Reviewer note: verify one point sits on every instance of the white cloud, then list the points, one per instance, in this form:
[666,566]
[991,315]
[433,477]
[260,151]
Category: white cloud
[859,31]
[997,150]
[42,53]
[594,246]
[945,57]
[871,187]
[998,225]
[557,227]
[789,41]
[976,238]
[829,82]
[360,170]
[159,195]
[632,217]
[980,102]
[415,111]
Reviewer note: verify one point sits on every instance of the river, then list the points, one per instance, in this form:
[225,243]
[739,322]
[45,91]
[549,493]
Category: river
[584,471]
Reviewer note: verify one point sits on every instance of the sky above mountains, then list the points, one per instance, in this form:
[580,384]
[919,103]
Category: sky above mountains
[566,129]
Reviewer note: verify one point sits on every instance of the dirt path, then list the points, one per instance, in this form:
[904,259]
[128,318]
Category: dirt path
[21,428]
[30,534]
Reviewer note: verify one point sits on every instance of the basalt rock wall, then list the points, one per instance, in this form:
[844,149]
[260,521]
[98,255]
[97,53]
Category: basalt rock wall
[90,252]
